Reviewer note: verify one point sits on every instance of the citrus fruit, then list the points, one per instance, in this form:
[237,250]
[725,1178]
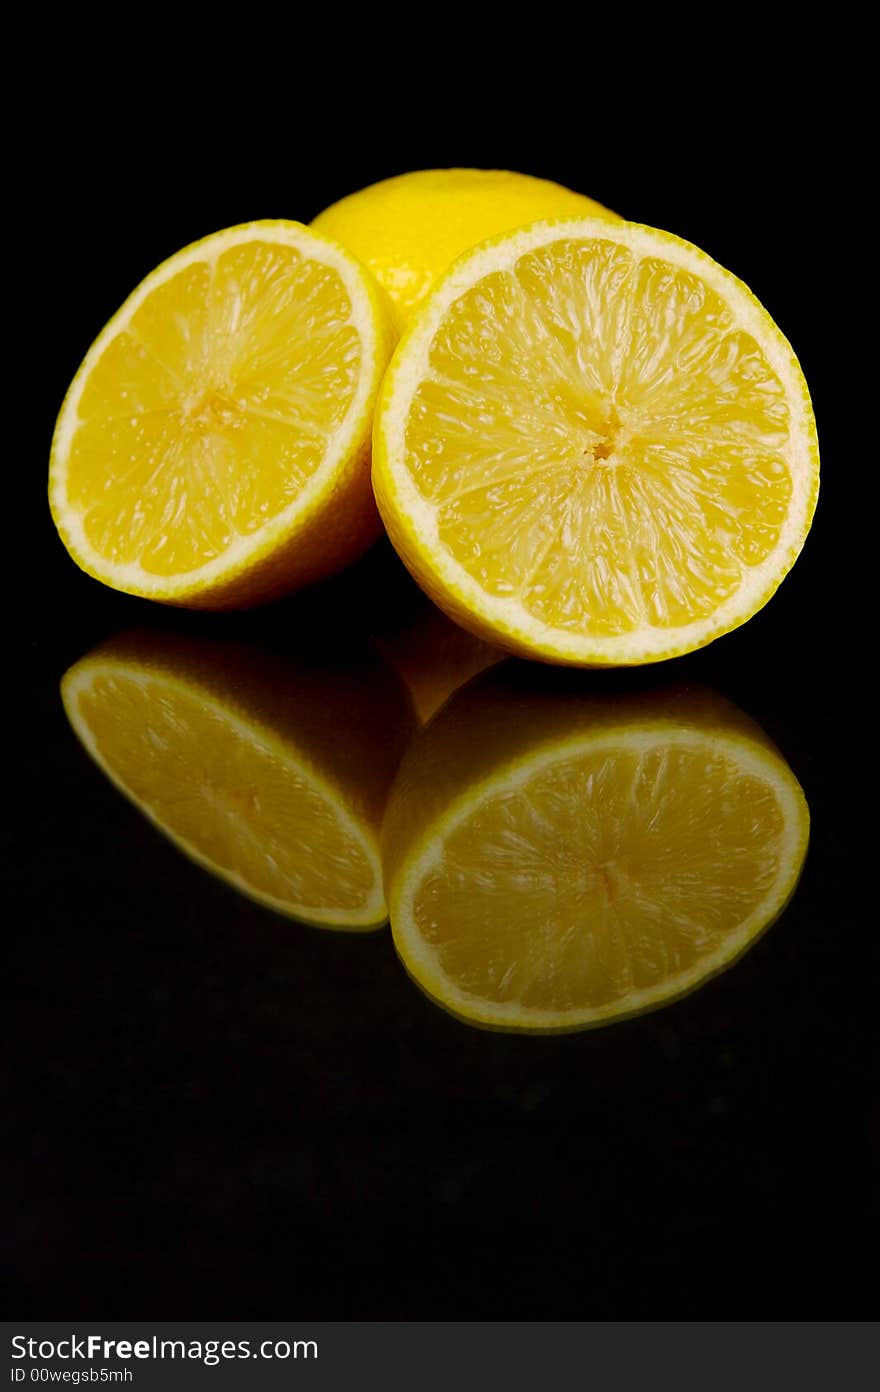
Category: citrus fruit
[593,446]
[271,774]
[554,861]
[213,448]
[409,229]
[434,657]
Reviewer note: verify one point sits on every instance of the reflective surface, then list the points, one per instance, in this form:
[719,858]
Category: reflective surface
[280,1108]
[553,859]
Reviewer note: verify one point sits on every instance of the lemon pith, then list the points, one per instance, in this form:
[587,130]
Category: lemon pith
[593,445]
[213,448]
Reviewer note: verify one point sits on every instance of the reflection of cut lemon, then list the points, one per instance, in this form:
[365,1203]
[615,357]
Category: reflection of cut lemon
[409,229]
[214,448]
[554,862]
[435,657]
[594,446]
[272,775]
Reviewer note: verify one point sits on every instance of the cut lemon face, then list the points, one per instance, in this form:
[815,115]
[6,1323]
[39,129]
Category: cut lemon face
[410,229]
[555,862]
[273,776]
[214,448]
[594,446]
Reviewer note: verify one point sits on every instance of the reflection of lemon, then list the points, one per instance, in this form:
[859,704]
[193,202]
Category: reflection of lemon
[555,861]
[272,775]
[594,446]
[409,229]
[214,448]
[435,657]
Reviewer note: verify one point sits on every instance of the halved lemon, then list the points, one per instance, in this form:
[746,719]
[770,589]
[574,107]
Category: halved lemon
[409,229]
[213,449]
[273,775]
[554,861]
[594,446]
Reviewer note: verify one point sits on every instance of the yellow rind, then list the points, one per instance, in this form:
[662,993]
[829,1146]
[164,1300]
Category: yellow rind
[408,229]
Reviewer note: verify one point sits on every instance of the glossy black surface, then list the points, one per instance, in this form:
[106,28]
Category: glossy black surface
[217,1112]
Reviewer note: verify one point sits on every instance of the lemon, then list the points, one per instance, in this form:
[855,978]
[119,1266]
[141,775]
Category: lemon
[409,229]
[594,446]
[554,861]
[434,657]
[272,775]
[213,449]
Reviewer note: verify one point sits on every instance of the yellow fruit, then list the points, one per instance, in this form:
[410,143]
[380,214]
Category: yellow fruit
[555,861]
[272,775]
[410,229]
[213,449]
[434,657]
[594,446]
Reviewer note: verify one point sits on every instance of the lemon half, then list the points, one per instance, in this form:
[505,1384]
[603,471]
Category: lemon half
[554,862]
[271,774]
[213,449]
[594,446]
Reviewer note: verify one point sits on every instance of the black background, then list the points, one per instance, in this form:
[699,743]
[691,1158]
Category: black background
[216,1113]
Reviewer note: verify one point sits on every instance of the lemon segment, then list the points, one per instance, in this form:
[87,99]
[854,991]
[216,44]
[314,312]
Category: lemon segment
[409,229]
[213,448]
[594,446]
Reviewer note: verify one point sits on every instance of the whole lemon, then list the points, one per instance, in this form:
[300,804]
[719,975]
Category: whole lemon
[409,229]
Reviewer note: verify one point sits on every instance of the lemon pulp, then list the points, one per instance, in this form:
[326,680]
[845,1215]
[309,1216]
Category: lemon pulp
[596,445]
[199,444]
[209,412]
[237,803]
[271,775]
[574,862]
